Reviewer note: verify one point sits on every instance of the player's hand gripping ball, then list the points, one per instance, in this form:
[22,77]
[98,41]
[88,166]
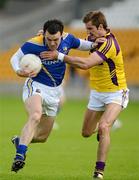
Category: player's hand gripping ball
[31,63]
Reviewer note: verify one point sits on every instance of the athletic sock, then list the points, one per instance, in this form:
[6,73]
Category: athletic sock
[21,151]
[100,166]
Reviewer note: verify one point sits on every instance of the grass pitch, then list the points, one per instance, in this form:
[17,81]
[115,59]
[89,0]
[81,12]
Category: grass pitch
[66,155]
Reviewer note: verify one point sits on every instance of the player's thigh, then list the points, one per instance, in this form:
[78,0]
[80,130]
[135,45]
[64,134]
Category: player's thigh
[94,111]
[91,119]
[34,104]
[45,125]
[51,99]
[32,96]
[111,113]
[114,103]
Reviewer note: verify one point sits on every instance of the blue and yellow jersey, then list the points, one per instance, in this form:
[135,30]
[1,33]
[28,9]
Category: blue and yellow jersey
[52,72]
[108,76]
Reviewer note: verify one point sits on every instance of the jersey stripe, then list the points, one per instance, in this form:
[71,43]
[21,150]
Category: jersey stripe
[108,46]
[116,44]
[124,96]
[30,88]
[50,76]
[112,71]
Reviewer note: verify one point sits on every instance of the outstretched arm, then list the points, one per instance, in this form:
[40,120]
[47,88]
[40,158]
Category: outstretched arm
[79,62]
[83,63]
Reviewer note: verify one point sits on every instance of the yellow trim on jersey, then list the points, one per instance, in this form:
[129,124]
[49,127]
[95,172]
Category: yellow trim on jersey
[50,76]
[38,40]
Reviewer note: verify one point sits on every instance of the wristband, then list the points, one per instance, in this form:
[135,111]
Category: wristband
[61,56]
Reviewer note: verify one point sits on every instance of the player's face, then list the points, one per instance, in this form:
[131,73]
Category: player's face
[53,40]
[93,30]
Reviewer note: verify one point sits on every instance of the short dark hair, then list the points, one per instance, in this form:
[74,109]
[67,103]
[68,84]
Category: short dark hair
[97,18]
[53,26]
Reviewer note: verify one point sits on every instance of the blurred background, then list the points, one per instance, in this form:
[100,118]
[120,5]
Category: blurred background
[21,20]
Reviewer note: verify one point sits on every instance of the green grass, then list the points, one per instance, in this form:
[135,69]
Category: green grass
[66,155]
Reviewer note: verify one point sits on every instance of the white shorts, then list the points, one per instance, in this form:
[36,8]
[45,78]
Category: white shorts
[98,100]
[50,95]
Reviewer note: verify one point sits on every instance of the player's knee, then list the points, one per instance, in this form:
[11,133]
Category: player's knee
[43,139]
[86,133]
[39,140]
[103,128]
[36,116]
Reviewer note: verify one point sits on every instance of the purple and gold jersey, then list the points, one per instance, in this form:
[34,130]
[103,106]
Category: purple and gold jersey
[108,76]
[52,72]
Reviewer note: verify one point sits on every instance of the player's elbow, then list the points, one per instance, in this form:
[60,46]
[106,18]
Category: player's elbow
[85,66]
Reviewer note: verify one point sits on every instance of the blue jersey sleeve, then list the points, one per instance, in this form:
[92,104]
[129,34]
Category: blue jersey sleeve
[26,48]
[29,48]
[74,42]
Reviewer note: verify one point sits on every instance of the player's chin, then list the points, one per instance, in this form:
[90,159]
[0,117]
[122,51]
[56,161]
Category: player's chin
[53,48]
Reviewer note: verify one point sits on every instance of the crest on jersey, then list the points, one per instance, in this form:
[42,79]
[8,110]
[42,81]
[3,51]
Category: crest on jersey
[65,48]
